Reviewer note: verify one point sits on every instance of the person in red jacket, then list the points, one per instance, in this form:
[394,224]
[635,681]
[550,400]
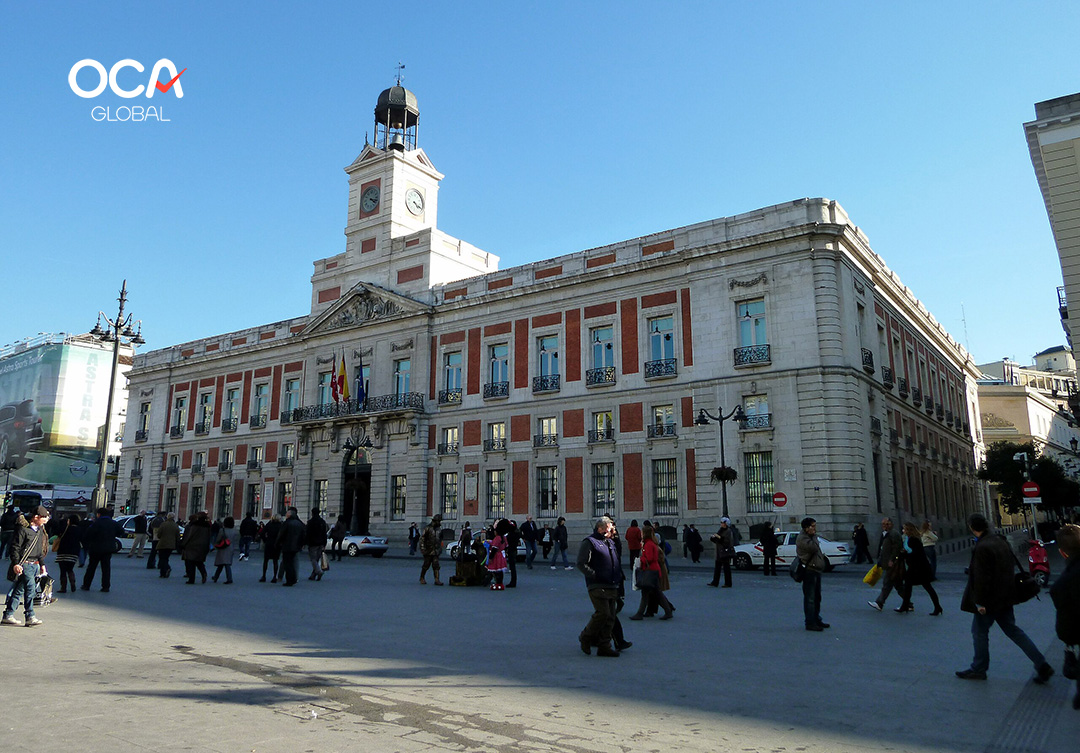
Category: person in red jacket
[633,540]
[649,577]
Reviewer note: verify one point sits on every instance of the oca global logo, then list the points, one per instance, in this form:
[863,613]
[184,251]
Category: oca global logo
[109,79]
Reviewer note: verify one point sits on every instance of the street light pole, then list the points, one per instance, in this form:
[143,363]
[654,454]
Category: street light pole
[703,420]
[118,329]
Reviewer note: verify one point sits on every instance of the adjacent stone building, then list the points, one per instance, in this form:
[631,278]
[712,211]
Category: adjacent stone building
[569,386]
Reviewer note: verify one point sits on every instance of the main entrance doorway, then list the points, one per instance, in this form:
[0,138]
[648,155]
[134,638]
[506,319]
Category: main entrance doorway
[356,491]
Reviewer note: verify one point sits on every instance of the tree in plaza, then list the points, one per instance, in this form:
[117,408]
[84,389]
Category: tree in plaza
[1056,489]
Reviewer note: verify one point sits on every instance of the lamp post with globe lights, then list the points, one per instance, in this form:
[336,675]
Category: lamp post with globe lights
[118,332]
[703,420]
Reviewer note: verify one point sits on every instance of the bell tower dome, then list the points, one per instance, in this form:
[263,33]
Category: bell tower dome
[396,118]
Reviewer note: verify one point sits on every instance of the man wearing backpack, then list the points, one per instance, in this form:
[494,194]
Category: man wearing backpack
[989,597]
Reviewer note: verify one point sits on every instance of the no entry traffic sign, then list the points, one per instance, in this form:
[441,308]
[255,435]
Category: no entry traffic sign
[1030,489]
[779,499]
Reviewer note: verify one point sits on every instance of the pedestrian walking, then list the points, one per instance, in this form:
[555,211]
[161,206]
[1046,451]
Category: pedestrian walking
[249,529]
[414,538]
[168,538]
[808,550]
[768,549]
[725,550]
[430,547]
[290,542]
[546,540]
[26,553]
[528,535]
[138,544]
[560,545]
[694,543]
[195,545]
[67,553]
[862,544]
[224,548]
[154,525]
[1065,594]
[633,540]
[497,558]
[100,543]
[315,537]
[271,548]
[650,574]
[989,597]
[889,560]
[337,538]
[685,541]
[917,570]
[929,541]
[513,539]
[598,561]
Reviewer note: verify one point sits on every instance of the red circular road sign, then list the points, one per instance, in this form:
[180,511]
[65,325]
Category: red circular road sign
[1030,489]
[779,499]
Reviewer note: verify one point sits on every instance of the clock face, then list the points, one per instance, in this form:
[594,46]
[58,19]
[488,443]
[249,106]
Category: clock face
[369,199]
[414,200]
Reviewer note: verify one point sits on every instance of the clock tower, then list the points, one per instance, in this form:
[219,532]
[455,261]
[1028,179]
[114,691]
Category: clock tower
[391,238]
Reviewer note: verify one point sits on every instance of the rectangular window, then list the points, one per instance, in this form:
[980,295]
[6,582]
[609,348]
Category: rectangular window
[254,500]
[206,409]
[133,500]
[602,425]
[603,350]
[549,428]
[603,488]
[497,430]
[322,491]
[759,481]
[402,375]
[288,452]
[661,338]
[144,416]
[195,501]
[452,370]
[199,463]
[224,509]
[227,458]
[752,323]
[547,489]
[232,403]
[326,393]
[291,396]
[174,464]
[260,404]
[500,362]
[663,415]
[496,494]
[170,500]
[666,487]
[756,408]
[548,355]
[180,412]
[256,455]
[398,488]
[448,495]
[284,497]
[449,444]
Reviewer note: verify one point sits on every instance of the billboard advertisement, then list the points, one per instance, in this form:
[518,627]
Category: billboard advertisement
[53,401]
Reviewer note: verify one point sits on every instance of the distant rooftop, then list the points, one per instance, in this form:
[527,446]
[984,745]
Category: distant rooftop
[1058,107]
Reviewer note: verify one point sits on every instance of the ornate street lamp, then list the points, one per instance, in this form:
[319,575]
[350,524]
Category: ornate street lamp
[703,420]
[119,333]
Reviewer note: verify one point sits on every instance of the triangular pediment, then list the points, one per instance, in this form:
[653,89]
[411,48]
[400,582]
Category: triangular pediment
[415,157]
[365,303]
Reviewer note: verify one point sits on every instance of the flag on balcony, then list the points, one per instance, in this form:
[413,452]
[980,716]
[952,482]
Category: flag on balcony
[342,381]
[335,394]
[361,391]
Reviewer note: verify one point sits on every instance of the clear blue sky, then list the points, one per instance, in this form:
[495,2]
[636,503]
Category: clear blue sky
[560,126]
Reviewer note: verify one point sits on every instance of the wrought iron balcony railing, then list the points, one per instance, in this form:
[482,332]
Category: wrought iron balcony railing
[140,435]
[229,424]
[660,431]
[545,440]
[601,435]
[887,377]
[197,468]
[868,360]
[257,421]
[203,427]
[939,411]
[136,473]
[600,376]
[254,465]
[909,443]
[172,470]
[447,448]
[894,436]
[752,354]
[284,462]
[494,445]
[901,386]
[496,389]
[665,367]
[757,421]
[285,417]
[548,383]
[410,401]
[450,397]
[928,403]
[916,396]
[176,432]
[224,467]
[875,425]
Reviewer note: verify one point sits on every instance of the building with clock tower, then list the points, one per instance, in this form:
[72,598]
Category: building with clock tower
[571,386]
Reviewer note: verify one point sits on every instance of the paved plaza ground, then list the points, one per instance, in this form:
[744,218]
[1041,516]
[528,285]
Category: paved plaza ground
[368,660]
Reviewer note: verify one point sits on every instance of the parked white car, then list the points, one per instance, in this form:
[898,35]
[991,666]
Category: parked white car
[356,544]
[749,556]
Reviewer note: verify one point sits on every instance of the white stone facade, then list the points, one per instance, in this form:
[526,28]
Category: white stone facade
[785,310]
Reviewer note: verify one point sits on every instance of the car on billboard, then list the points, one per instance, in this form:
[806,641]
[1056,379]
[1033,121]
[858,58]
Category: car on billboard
[20,431]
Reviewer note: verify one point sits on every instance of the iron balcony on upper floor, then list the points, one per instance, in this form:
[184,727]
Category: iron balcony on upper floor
[411,402]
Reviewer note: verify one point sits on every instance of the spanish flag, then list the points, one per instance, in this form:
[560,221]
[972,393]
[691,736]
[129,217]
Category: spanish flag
[342,380]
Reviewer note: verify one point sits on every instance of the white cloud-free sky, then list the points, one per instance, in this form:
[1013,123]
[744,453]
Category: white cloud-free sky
[560,126]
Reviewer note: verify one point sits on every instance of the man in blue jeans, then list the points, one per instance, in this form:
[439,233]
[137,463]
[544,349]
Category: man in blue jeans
[808,550]
[559,536]
[26,552]
[528,535]
[989,596]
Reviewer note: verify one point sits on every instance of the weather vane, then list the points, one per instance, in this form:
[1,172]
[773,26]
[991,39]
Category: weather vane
[398,76]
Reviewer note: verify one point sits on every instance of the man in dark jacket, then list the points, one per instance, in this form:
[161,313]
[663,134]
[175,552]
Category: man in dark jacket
[808,550]
[598,560]
[100,543]
[271,550]
[315,538]
[290,542]
[7,529]
[725,550]
[768,550]
[862,544]
[989,597]
[139,542]
[889,549]
[528,535]
[249,529]
[559,539]
[1066,593]
[27,549]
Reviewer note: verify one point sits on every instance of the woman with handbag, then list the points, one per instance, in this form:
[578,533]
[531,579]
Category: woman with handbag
[223,549]
[917,570]
[649,576]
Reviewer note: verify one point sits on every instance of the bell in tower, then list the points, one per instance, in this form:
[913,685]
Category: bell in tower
[396,118]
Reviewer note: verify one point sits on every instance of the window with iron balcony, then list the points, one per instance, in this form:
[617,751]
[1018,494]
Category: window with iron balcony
[176,432]
[902,386]
[662,362]
[887,377]
[494,445]
[548,360]
[224,466]
[140,435]
[868,360]
[603,357]
[229,424]
[660,431]
[257,421]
